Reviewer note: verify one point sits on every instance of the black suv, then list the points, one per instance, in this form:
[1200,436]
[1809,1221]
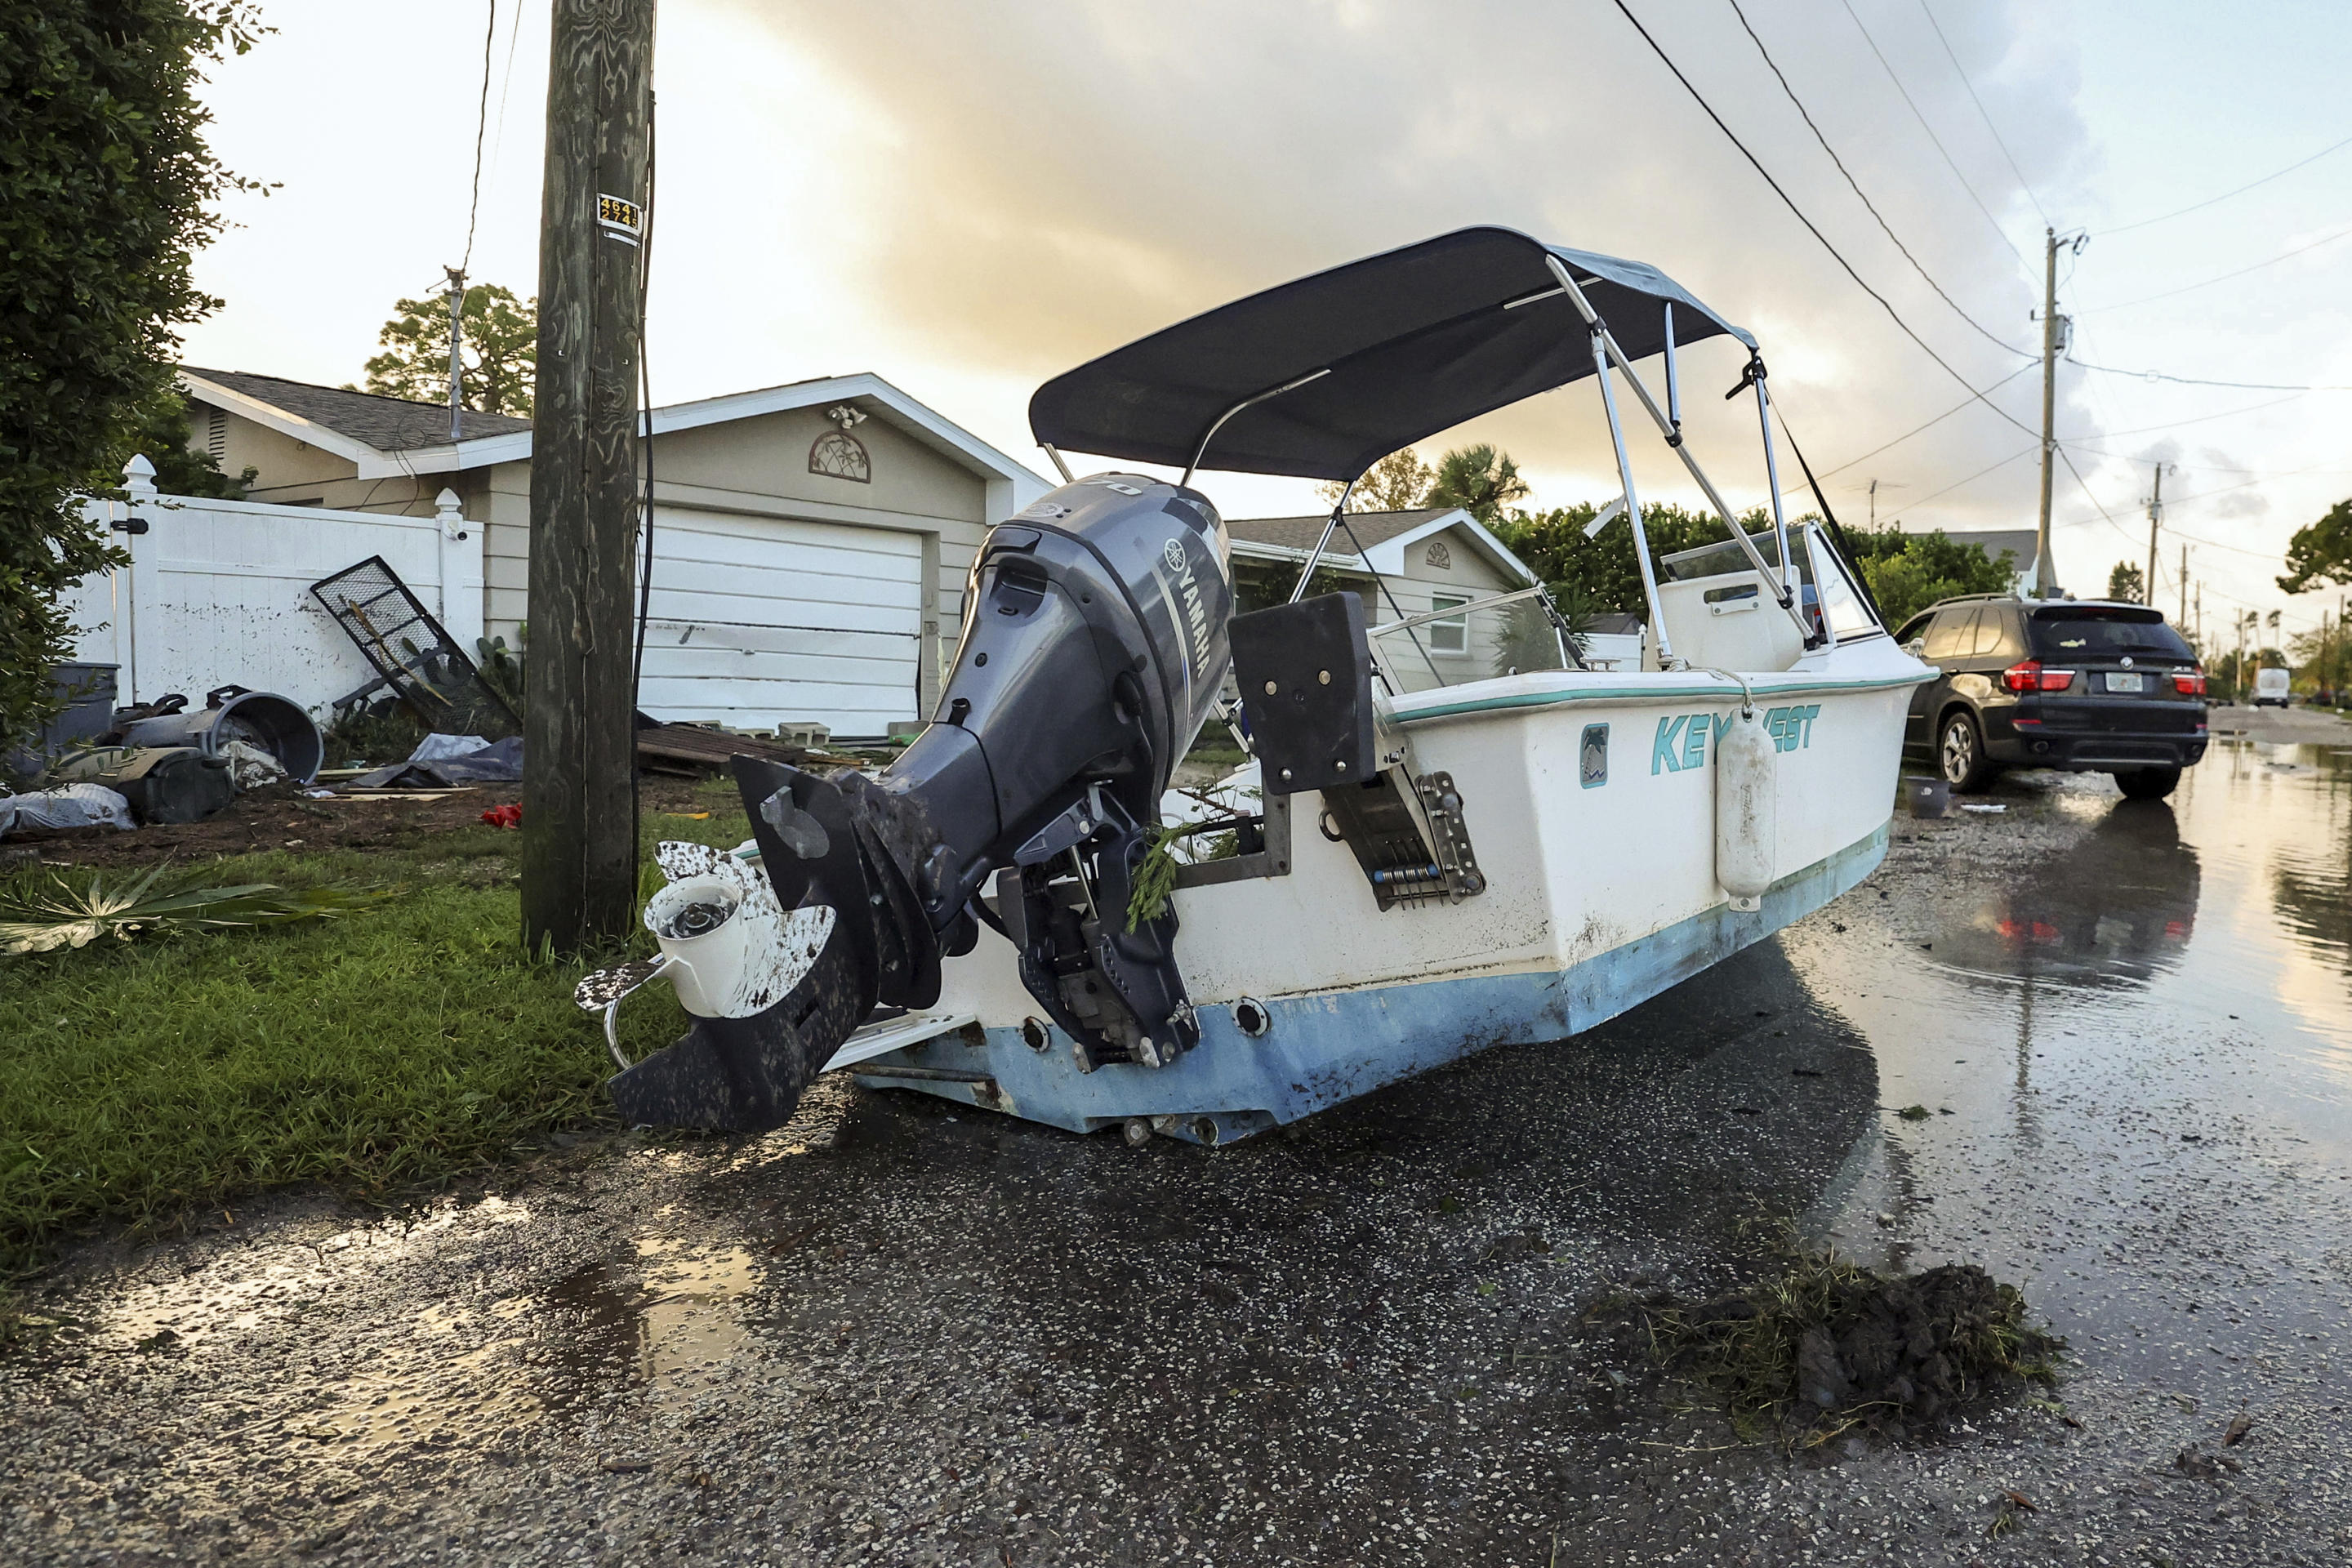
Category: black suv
[2085,686]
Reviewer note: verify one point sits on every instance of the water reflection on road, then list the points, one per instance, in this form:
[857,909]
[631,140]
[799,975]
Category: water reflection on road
[2135,1060]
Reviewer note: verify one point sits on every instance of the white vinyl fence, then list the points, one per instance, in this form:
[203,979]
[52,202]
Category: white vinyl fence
[218,592]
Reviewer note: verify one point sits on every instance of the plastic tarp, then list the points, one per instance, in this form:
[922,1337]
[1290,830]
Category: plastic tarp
[499,762]
[1410,343]
[66,805]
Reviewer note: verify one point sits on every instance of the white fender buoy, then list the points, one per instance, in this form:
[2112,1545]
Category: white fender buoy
[1744,818]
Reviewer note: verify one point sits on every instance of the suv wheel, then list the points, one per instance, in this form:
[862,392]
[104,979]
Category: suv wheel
[1960,749]
[2148,784]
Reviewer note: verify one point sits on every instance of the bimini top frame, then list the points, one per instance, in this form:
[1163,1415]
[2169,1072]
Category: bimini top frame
[1322,377]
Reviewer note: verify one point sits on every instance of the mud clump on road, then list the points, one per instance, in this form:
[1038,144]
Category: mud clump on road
[1825,1347]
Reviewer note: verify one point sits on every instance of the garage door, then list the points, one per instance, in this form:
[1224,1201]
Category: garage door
[759,621]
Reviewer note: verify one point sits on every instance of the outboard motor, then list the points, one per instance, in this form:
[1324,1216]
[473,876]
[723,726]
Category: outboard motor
[1094,643]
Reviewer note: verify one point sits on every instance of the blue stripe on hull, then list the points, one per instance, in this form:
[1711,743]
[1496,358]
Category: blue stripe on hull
[1333,1046]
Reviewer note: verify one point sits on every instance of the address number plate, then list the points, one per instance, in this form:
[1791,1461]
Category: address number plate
[2125,682]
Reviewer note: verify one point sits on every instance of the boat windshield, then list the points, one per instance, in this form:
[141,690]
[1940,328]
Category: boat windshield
[1721,560]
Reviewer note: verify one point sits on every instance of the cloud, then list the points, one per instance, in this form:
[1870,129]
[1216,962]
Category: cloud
[1043,181]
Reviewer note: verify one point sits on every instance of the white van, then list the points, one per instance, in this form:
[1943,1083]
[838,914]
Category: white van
[2269,687]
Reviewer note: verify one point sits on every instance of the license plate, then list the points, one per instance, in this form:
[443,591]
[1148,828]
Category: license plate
[2125,682]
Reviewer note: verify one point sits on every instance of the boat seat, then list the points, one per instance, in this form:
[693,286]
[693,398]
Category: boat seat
[1729,622]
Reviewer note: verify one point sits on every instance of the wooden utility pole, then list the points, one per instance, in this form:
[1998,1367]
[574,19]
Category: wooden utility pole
[2155,515]
[2046,579]
[579,840]
[2184,588]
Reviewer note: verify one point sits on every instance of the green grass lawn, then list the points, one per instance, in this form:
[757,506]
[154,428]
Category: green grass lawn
[385,1049]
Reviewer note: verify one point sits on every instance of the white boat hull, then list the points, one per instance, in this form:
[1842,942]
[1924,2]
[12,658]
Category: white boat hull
[1600,895]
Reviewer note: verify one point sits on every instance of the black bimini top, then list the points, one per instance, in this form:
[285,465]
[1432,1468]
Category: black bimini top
[1412,342]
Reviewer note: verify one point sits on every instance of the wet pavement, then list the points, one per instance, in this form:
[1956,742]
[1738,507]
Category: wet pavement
[899,1332]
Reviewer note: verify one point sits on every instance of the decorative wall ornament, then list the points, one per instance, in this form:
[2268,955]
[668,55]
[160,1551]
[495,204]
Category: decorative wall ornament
[1438,556]
[839,455]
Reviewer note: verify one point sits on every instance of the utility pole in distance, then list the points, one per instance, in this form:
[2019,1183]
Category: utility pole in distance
[2155,515]
[2044,578]
[2184,587]
[579,836]
[2053,343]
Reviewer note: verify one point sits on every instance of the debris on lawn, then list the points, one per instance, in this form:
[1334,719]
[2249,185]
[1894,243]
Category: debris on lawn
[64,808]
[161,784]
[509,816]
[1826,1346]
[74,916]
[434,766]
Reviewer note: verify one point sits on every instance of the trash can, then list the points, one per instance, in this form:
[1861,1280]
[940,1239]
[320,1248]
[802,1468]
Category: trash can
[1926,796]
[276,724]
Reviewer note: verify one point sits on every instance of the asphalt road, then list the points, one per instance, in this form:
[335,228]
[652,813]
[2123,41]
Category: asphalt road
[896,1333]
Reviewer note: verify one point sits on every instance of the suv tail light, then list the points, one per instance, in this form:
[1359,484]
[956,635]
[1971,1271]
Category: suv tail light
[2188,682]
[2029,676]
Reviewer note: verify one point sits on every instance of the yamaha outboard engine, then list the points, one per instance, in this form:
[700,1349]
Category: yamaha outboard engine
[1094,643]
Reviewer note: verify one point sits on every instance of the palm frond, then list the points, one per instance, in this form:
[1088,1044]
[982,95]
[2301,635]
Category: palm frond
[71,917]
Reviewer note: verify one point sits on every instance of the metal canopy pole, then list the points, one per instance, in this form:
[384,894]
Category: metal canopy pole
[1625,480]
[1772,480]
[1606,343]
[1307,573]
[1257,397]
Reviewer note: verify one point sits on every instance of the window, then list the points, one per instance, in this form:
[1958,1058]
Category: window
[1848,616]
[1915,630]
[1997,634]
[1451,634]
[1954,636]
[2082,633]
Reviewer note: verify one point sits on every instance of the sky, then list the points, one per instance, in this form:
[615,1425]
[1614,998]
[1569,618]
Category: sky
[968,199]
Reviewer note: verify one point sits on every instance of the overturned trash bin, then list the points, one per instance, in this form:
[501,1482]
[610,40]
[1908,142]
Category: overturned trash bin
[276,724]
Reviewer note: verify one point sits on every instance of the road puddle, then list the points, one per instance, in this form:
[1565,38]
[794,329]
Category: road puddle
[661,1319]
[2113,1075]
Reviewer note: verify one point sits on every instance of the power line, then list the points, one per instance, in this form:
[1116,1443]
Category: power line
[1787,201]
[2224,277]
[1980,473]
[1984,114]
[2199,381]
[481,125]
[1938,419]
[1807,116]
[1949,162]
[2225,196]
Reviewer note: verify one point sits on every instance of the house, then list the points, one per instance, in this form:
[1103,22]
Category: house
[1432,559]
[810,541]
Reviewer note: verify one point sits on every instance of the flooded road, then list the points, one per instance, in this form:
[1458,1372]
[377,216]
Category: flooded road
[895,1333]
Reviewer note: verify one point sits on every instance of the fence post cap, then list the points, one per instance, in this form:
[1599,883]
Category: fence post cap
[138,476]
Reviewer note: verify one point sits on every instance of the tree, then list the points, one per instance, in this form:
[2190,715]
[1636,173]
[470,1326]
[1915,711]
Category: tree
[2124,583]
[1909,571]
[106,193]
[1601,573]
[2321,554]
[1479,479]
[179,469]
[1395,483]
[500,355]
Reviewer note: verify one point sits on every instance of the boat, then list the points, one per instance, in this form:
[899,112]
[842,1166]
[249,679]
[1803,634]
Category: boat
[1019,915]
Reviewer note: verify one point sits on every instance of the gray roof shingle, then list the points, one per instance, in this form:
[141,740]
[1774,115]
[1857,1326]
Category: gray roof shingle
[386,423]
[1372,528]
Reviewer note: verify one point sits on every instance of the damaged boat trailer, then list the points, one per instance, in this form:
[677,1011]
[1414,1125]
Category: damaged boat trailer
[1416,875]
